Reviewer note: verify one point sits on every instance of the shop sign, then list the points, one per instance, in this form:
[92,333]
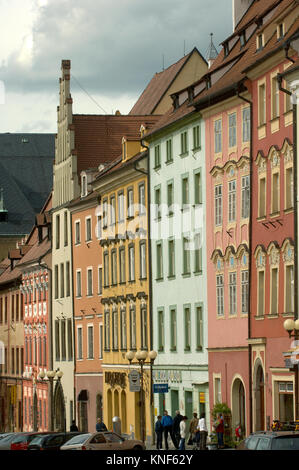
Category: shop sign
[160,388]
[134,381]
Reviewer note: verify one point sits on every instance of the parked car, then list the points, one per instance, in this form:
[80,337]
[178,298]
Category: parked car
[22,441]
[283,440]
[7,440]
[102,441]
[51,441]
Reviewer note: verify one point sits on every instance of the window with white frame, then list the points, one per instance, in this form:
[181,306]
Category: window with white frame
[133,327]
[88,228]
[274,290]
[89,282]
[105,213]
[79,343]
[246,124]
[130,203]
[106,269]
[141,190]
[115,329]
[79,283]
[218,204]
[123,328]
[112,210]
[245,197]
[101,341]
[289,292]
[100,280]
[142,254]
[220,294]
[121,206]
[107,330]
[245,286]
[233,293]
[131,263]
[90,341]
[143,322]
[77,232]
[232,130]
[218,135]
[232,200]
[122,265]
[113,267]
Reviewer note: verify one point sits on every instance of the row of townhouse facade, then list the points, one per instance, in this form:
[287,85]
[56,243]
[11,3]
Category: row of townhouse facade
[168,247]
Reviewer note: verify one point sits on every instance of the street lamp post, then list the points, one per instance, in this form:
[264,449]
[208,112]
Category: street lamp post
[141,357]
[292,327]
[51,374]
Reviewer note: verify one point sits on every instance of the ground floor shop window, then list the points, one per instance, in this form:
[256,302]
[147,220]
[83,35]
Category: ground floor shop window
[286,409]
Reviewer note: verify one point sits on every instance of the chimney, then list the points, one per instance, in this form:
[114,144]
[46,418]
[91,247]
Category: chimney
[239,9]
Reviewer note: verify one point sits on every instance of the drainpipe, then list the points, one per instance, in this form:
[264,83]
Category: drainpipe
[294,102]
[249,264]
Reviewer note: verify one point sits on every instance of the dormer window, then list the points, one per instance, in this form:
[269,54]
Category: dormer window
[260,42]
[190,94]
[280,31]
[83,185]
[142,131]
[124,142]
[208,82]
[243,39]
[175,101]
[226,49]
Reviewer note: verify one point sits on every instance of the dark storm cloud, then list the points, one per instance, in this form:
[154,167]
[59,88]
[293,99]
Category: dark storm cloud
[115,46]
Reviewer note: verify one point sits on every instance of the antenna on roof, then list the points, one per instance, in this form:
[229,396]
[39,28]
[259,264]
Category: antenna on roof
[211,53]
[89,94]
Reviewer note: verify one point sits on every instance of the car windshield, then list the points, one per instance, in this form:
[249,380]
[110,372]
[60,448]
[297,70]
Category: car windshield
[286,443]
[113,437]
[37,439]
[78,439]
[8,438]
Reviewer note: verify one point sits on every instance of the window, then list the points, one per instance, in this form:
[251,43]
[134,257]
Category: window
[242,39]
[77,233]
[197,253]
[113,268]
[186,256]
[161,332]
[245,197]
[105,213]
[89,282]
[218,135]
[170,198]
[90,341]
[262,197]
[197,188]
[121,206]
[107,330]
[173,330]
[159,259]
[68,279]
[78,281]
[79,343]
[232,129]
[142,208]
[45,351]
[245,291]
[187,318]
[83,186]
[289,188]
[106,269]
[262,104]
[142,256]
[185,190]
[261,293]
[101,342]
[63,340]
[275,193]
[217,390]
[289,292]
[196,137]
[246,124]
[100,281]
[280,31]
[199,328]
[123,328]
[143,322]
[232,293]
[275,98]
[13,359]
[61,280]
[274,290]
[171,258]
[260,42]
[56,281]
[112,210]
[184,143]
[57,342]
[157,156]
[130,203]
[57,231]
[65,229]
[232,201]
[218,204]
[157,202]
[133,327]
[122,265]
[220,294]
[115,329]
[131,263]
[169,156]
[88,229]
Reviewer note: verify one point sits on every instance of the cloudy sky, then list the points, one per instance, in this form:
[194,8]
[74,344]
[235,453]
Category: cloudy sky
[115,46]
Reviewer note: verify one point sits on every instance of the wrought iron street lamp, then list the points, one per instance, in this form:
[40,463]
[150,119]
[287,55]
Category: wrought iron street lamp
[51,374]
[141,357]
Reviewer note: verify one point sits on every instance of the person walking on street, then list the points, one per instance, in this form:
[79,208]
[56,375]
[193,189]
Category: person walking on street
[220,431]
[203,430]
[167,423]
[159,432]
[183,433]
[74,427]
[193,428]
[100,426]
[176,426]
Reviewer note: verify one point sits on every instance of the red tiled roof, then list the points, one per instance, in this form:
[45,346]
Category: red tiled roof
[257,8]
[98,138]
[158,86]
[38,250]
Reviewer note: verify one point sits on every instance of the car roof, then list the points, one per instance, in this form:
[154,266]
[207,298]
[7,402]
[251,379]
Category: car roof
[274,433]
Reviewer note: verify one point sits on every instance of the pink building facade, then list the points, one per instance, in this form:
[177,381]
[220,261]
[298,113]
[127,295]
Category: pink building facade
[227,221]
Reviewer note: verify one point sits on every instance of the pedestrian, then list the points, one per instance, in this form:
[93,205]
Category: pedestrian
[183,433]
[159,432]
[193,429]
[100,426]
[203,430]
[167,423]
[220,430]
[238,432]
[176,426]
[73,426]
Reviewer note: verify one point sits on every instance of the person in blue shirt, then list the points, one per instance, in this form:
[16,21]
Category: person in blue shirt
[167,423]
